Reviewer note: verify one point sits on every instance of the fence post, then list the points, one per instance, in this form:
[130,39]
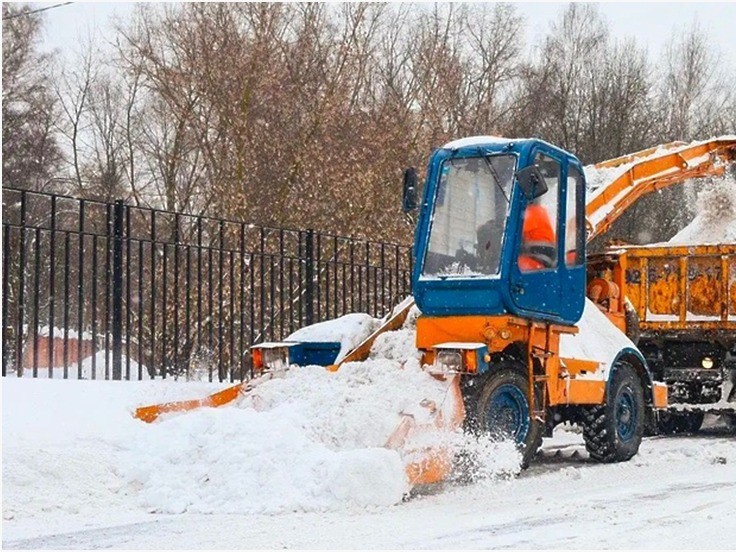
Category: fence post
[309,277]
[117,290]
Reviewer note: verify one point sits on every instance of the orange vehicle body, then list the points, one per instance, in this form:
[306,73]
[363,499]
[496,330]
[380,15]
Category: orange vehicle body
[682,314]
[683,289]
[687,290]
[554,377]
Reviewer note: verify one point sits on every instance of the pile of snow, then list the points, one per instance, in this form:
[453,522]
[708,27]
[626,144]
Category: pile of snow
[597,339]
[716,219]
[62,438]
[311,440]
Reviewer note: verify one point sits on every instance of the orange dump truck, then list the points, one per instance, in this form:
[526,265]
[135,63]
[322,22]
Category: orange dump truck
[680,308]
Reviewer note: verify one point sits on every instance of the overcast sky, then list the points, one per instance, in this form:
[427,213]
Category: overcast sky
[652,24]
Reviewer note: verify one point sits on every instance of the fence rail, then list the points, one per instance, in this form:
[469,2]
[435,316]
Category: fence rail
[102,290]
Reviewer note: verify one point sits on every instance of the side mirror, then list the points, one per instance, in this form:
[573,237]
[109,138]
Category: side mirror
[409,202]
[532,182]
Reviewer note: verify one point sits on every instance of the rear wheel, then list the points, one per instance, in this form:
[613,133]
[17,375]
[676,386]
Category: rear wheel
[633,330]
[613,431]
[504,411]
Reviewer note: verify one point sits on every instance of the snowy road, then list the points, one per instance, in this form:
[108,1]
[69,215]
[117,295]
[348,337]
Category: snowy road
[79,472]
[678,493]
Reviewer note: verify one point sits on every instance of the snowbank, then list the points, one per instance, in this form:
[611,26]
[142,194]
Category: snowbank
[93,368]
[598,339]
[61,439]
[309,441]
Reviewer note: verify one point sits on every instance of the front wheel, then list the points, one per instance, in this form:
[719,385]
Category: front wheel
[504,412]
[613,431]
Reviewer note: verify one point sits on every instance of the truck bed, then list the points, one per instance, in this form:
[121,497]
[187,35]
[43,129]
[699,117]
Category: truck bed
[688,291]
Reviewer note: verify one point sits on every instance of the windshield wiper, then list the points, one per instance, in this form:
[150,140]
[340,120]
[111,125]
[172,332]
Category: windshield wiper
[494,174]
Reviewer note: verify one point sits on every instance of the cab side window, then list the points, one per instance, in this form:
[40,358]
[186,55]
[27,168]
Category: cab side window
[574,231]
[538,235]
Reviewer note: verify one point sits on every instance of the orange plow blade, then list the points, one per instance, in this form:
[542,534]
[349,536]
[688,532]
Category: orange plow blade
[151,413]
[427,460]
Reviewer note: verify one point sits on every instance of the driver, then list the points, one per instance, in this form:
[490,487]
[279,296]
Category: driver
[538,240]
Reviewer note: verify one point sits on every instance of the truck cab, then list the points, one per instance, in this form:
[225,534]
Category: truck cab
[500,279]
[492,239]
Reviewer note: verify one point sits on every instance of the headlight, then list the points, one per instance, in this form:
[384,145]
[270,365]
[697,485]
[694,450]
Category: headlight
[707,363]
[467,358]
[448,362]
[271,356]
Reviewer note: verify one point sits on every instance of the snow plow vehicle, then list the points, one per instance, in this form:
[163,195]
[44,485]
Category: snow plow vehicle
[525,330]
[500,280]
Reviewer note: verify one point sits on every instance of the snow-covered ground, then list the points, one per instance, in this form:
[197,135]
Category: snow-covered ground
[80,472]
[92,368]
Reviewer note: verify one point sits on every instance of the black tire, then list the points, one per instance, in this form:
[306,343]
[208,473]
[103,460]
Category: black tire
[631,318]
[695,421]
[730,420]
[613,431]
[503,410]
[671,423]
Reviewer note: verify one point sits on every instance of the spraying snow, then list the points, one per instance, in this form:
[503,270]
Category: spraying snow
[716,219]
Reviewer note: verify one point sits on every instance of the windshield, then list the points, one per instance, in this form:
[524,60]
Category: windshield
[469,216]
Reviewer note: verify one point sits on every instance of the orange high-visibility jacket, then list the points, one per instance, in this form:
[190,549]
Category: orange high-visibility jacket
[537,231]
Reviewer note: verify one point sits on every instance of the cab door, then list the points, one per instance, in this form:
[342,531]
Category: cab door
[536,273]
[572,299]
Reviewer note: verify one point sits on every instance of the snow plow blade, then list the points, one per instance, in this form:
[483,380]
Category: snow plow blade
[392,322]
[427,461]
[151,413]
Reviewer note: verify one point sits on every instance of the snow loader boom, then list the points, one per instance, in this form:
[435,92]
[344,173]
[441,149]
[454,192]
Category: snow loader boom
[654,169]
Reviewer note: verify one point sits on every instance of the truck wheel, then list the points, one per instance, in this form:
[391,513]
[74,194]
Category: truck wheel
[504,412]
[695,421]
[631,318]
[613,431]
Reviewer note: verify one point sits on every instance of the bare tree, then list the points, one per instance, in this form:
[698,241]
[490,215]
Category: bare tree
[695,92]
[31,155]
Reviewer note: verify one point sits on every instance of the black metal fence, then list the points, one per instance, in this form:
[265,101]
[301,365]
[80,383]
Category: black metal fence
[112,291]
